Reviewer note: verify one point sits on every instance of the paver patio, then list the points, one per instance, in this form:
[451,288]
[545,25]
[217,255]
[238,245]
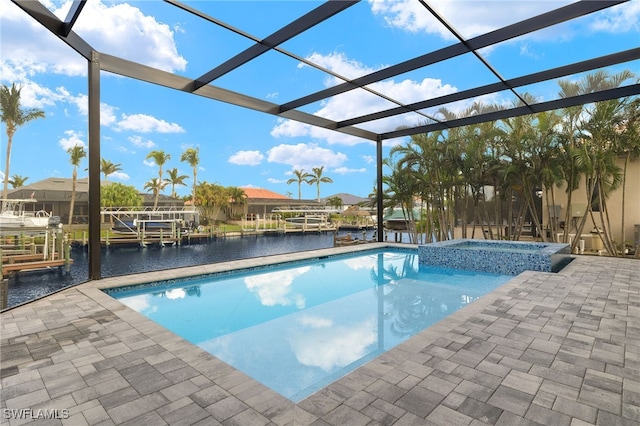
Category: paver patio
[548,349]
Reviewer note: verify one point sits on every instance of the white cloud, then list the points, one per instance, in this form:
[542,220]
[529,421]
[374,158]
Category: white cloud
[339,63]
[246,158]
[359,102]
[33,49]
[618,19]
[107,112]
[137,141]
[119,176]
[346,170]
[109,27]
[32,94]
[73,138]
[305,156]
[144,123]
[470,18]
[369,159]
[273,180]
[290,128]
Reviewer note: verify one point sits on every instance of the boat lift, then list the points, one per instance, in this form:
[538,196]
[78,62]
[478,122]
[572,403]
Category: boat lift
[137,218]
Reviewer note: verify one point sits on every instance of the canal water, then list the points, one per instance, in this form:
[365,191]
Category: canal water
[28,286]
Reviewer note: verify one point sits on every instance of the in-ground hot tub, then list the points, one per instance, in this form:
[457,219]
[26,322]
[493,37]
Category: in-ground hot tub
[500,257]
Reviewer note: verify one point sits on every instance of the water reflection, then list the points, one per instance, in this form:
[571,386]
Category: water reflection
[297,329]
[179,293]
[275,288]
[331,347]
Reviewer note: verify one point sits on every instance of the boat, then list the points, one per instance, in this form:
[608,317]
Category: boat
[130,226]
[308,221]
[15,215]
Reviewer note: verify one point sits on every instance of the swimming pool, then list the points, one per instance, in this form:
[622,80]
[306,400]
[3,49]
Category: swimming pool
[298,327]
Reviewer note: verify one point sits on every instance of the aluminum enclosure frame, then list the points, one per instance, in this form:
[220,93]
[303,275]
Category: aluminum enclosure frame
[202,85]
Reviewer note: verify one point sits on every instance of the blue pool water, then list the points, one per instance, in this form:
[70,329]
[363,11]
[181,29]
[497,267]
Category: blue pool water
[299,327]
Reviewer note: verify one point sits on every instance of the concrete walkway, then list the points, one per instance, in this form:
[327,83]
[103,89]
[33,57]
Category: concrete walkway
[547,349]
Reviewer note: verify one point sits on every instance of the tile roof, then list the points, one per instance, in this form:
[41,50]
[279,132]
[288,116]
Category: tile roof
[263,193]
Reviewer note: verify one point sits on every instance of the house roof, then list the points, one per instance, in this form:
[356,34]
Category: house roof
[347,199]
[262,193]
[59,189]
[55,184]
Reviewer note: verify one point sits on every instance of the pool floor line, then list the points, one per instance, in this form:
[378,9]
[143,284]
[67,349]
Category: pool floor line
[538,349]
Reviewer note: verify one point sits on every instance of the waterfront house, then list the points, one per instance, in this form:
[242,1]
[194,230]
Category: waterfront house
[54,195]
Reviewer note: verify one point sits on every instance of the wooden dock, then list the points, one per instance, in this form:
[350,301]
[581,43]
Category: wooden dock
[32,266]
[185,239]
[12,262]
[24,254]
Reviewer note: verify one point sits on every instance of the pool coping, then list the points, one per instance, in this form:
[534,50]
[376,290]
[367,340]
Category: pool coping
[349,400]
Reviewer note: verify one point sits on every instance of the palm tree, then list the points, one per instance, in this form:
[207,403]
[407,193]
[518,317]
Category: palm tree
[109,168]
[17,181]
[159,157]
[629,148]
[301,176]
[76,153]
[175,179]
[13,116]
[210,199]
[590,152]
[335,202]
[155,185]
[317,178]
[237,197]
[402,186]
[191,156]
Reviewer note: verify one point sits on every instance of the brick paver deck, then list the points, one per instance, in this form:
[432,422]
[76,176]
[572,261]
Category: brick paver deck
[547,349]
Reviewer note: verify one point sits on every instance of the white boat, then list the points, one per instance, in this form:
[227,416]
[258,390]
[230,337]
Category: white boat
[309,221]
[15,215]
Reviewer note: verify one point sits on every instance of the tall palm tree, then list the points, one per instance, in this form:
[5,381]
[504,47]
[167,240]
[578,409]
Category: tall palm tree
[629,148]
[17,181]
[317,178]
[584,158]
[109,168]
[175,179]
[159,157]
[155,185]
[13,116]
[76,153]
[192,156]
[237,198]
[301,176]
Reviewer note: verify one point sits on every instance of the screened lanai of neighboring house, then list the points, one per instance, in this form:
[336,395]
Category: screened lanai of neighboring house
[251,46]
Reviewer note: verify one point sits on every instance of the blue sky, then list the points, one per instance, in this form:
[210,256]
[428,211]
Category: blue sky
[240,147]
